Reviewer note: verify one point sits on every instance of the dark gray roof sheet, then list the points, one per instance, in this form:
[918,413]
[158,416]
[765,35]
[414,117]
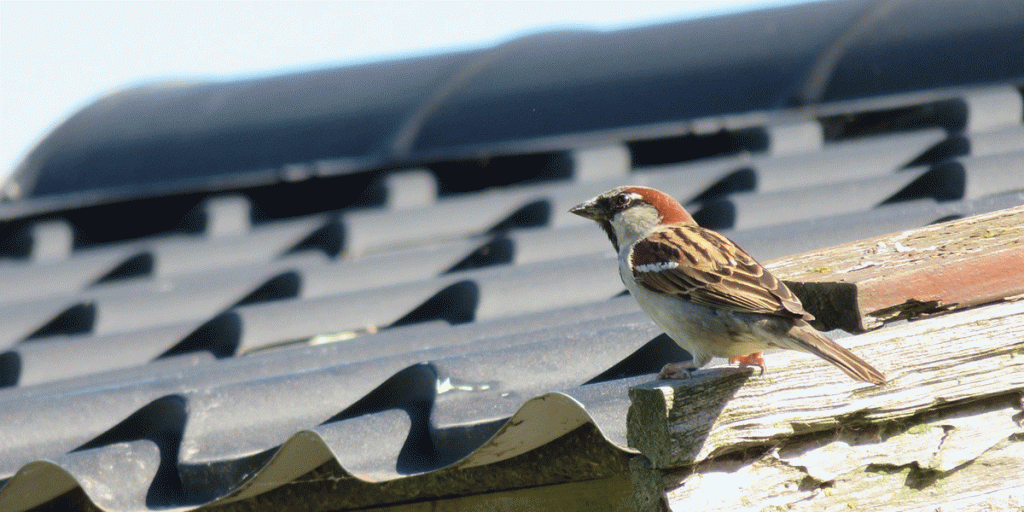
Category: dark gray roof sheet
[412,348]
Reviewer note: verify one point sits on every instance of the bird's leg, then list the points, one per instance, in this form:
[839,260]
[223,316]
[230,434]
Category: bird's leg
[682,370]
[749,359]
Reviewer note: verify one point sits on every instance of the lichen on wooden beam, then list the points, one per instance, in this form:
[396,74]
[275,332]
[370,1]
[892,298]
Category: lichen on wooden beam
[949,359]
[966,458]
[952,265]
[806,436]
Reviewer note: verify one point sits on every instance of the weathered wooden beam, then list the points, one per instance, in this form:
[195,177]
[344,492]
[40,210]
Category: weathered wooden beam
[965,459]
[950,359]
[946,430]
[952,265]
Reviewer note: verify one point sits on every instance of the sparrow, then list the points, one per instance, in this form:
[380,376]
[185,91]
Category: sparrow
[706,293]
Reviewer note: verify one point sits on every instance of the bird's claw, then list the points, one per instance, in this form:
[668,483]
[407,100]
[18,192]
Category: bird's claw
[754,359]
[676,371]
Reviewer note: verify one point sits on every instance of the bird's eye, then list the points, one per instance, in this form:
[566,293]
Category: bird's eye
[621,200]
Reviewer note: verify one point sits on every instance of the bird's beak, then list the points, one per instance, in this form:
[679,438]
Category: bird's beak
[589,210]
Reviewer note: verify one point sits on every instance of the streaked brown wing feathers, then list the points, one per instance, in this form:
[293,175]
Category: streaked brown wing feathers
[706,268]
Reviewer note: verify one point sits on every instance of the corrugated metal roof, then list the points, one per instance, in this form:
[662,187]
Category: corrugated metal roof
[401,335]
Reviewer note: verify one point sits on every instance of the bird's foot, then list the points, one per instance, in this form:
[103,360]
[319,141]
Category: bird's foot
[682,370]
[748,360]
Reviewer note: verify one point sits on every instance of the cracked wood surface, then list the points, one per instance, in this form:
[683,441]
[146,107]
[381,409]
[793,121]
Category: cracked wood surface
[947,427]
[952,265]
[968,459]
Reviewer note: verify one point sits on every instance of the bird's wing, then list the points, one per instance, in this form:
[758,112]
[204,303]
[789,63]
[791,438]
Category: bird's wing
[704,267]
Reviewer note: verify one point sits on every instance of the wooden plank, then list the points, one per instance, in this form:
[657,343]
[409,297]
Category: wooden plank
[950,359]
[952,265]
[960,459]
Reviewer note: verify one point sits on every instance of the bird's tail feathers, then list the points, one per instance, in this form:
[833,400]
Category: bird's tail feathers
[810,340]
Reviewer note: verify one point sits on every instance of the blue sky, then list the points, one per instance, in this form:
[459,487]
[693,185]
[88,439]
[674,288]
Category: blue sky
[57,57]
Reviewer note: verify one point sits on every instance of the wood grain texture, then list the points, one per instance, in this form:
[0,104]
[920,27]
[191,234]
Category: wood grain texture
[951,359]
[967,459]
[947,430]
[947,266]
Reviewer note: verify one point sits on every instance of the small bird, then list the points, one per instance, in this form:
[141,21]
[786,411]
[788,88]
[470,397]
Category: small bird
[705,292]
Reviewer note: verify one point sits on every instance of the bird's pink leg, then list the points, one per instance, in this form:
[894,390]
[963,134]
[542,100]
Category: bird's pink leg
[749,359]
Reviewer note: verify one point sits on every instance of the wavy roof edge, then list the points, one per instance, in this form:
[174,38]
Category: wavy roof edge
[544,87]
[305,451]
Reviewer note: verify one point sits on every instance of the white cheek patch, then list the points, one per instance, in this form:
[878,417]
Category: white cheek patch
[657,266]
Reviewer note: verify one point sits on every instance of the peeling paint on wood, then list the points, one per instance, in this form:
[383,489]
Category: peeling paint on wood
[934,269]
